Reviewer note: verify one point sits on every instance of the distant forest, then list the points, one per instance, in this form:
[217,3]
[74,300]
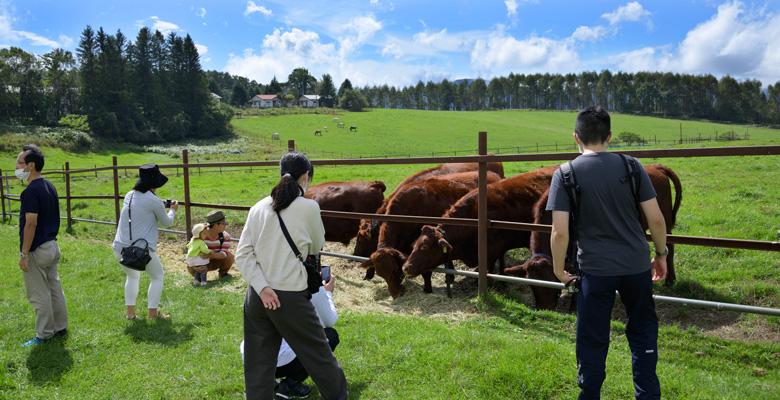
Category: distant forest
[154,90]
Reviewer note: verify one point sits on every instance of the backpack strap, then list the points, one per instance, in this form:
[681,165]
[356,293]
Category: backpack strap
[574,192]
[632,175]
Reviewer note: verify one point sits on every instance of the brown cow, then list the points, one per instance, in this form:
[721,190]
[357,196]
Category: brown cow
[540,267]
[364,197]
[427,197]
[368,234]
[511,199]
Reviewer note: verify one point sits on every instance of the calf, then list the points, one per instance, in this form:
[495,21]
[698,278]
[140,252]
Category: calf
[511,199]
[427,197]
[368,234]
[353,128]
[318,133]
[540,267]
[363,197]
[340,125]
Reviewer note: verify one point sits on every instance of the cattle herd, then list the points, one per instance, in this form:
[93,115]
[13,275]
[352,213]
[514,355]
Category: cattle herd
[396,250]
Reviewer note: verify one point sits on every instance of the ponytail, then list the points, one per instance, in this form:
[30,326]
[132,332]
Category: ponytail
[285,192]
[292,166]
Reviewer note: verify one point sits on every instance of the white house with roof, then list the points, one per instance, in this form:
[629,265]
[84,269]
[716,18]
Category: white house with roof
[309,101]
[216,97]
[265,101]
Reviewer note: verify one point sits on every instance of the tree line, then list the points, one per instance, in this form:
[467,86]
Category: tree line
[146,91]
[647,93]
[153,89]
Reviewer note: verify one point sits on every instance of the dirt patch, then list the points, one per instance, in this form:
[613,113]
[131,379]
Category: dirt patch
[355,294]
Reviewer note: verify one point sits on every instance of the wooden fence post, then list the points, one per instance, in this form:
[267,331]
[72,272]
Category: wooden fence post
[67,195]
[187,211]
[116,191]
[2,193]
[291,145]
[482,224]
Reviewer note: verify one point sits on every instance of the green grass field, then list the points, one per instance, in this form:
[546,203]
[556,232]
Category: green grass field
[506,351]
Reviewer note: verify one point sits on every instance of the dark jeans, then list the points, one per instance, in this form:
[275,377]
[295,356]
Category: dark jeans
[297,322]
[201,277]
[594,308]
[295,371]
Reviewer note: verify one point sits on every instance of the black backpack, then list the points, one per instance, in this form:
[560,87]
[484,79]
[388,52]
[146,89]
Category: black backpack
[575,193]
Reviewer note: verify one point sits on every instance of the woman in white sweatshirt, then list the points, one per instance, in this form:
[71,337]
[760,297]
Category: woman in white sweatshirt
[147,210]
[277,300]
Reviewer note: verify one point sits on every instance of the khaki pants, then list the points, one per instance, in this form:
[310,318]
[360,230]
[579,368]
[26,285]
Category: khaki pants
[44,290]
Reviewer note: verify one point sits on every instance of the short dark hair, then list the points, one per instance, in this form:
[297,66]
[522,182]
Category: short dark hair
[593,125]
[35,155]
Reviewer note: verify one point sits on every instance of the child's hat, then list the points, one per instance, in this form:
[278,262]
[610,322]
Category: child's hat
[197,229]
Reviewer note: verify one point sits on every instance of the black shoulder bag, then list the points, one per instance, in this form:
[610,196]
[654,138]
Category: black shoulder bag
[134,257]
[313,277]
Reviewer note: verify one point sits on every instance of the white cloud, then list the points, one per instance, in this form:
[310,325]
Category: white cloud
[251,7]
[201,49]
[736,41]
[163,26]
[511,8]
[65,41]
[282,52]
[201,12]
[499,53]
[630,12]
[37,40]
[392,50]
[588,34]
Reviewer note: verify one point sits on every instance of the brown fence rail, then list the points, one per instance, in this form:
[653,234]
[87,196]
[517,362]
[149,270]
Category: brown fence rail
[482,222]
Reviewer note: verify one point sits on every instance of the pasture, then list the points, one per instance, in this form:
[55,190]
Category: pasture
[417,346]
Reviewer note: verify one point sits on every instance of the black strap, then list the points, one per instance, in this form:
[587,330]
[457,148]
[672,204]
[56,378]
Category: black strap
[289,239]
[222,240]
[130,217]
[574,191]
[632,175]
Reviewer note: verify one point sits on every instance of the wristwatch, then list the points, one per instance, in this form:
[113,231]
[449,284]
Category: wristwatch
[665,252]
[22,255]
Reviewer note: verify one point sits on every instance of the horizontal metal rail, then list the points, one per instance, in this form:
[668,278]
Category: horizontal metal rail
[557,285]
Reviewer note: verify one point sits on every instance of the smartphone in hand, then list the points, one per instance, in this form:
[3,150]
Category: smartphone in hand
[326,273]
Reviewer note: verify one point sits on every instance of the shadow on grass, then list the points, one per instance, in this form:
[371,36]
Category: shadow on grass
[48,362]
[162,331]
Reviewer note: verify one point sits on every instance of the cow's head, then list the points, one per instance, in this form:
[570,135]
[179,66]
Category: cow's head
[428,251]
[367,238]
[540,267]
[387,263]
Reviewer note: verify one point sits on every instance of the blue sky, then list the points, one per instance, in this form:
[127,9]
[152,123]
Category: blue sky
[399,42]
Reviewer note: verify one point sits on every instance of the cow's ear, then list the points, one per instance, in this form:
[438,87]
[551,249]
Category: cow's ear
[445,245]
[367,264]
[379,185]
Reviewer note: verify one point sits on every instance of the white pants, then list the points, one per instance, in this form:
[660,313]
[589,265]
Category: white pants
[155,271]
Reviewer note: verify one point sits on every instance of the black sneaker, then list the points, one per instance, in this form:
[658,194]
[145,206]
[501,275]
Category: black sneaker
[289,389]
[63,333]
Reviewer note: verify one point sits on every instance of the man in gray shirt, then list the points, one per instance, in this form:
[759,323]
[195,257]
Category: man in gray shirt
[613,255]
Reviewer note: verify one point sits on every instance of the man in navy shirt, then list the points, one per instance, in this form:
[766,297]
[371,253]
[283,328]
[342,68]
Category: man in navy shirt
[39,223]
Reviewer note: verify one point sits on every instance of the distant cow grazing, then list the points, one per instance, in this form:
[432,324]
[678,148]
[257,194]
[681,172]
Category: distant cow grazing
[540,265]
[353,128]
[275,136]
[340,125]
[335,119]
[318,133]
[511,199]
[368,234]
[363,197]
[325,128]
[427,197]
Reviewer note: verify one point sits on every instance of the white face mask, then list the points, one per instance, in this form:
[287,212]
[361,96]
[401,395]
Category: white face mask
[21,174]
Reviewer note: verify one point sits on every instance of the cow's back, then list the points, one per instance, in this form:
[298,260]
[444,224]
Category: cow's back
[359,196]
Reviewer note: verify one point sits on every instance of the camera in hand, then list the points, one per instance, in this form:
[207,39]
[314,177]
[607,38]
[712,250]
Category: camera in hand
[168,203]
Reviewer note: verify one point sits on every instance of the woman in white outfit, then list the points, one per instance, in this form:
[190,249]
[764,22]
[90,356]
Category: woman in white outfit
[147,211]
